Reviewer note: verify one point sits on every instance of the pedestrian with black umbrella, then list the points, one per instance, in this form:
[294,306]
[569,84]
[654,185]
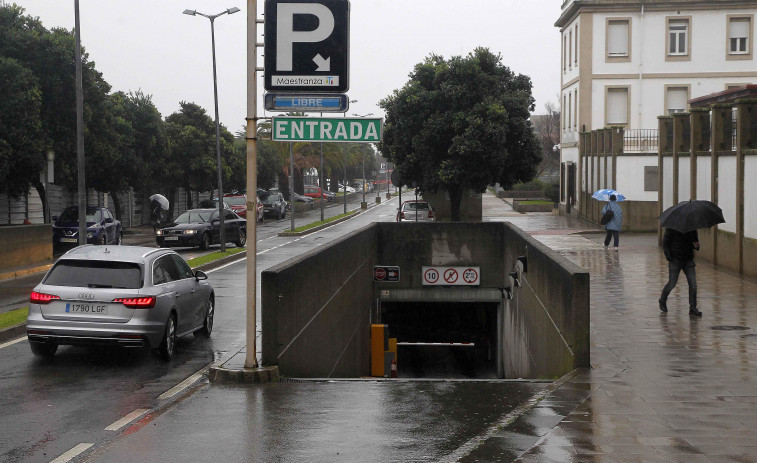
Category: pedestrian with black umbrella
[681,240]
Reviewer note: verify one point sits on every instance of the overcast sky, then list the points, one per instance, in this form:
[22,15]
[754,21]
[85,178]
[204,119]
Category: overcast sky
[150,45]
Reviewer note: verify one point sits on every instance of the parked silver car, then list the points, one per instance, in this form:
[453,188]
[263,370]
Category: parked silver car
[127,296]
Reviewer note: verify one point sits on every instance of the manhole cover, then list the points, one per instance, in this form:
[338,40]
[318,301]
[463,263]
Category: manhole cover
[729,328]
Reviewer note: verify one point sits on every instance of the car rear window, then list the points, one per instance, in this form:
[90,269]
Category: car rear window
[235,200]
[95,274]
[417,206]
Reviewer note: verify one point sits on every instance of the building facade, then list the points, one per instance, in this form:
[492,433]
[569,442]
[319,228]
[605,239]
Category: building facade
[624,63]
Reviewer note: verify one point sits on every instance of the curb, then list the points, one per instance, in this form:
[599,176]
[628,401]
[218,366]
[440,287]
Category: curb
[24,272]
[12,332]
[261,375]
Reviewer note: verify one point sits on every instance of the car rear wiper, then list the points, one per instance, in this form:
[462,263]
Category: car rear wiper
[98,285]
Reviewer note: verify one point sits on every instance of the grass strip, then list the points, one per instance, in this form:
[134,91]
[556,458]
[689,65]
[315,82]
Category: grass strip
[202,260]
[322,222]
[535,201]
[14,317]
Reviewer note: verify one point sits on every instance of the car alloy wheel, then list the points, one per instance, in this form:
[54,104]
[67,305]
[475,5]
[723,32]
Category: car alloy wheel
[205,243]
[167,347]
[207,326]
[241,239]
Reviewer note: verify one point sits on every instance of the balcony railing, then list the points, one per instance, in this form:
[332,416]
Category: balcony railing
[640,140]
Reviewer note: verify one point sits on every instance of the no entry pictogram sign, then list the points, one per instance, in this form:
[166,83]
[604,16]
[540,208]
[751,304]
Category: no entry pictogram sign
[389,273]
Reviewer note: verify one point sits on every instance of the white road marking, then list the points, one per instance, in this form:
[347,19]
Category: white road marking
[10,343]
[127,419]
[68,456]
[183,385]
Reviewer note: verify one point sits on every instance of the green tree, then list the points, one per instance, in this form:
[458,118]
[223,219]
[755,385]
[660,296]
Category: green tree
[21,142]
[461,123]
[191,159]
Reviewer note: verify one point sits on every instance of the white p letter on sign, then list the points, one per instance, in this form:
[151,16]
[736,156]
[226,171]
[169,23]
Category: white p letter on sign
[286,36]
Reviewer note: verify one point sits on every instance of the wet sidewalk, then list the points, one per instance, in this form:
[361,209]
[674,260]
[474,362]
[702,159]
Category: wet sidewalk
[663,387]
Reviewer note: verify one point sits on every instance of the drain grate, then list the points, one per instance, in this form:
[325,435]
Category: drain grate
[729,328]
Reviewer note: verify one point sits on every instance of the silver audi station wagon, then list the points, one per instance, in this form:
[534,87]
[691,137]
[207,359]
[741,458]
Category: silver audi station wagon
[127,296]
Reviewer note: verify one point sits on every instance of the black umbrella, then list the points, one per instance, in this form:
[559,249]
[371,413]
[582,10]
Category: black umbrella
[691,215]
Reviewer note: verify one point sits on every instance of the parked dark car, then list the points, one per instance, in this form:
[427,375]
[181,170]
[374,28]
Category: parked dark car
[274,205]
[201,227]
[308,201]
[102,227]
[212,204]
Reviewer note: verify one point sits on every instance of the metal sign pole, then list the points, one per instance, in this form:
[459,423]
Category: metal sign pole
[252,183]
[291,183]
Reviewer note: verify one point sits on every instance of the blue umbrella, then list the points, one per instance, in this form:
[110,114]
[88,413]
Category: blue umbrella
[604,195]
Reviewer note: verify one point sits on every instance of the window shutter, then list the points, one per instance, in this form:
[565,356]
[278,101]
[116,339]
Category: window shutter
[677,99]
[739,28]
[617,106]
[618,38]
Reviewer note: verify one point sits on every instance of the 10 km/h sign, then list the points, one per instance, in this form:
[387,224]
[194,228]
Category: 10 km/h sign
[451,276]
[335,129]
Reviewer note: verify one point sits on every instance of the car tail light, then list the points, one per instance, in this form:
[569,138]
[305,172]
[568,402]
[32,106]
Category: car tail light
[42,298]
[402,215]
[137,302]
[430,214]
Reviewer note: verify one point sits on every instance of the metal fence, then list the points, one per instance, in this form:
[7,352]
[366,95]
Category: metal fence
[641,140]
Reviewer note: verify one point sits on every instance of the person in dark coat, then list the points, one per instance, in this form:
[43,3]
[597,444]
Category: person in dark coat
[679,251]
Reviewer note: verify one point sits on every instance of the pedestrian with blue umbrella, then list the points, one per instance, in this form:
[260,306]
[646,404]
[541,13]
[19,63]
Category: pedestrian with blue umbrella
[612,215]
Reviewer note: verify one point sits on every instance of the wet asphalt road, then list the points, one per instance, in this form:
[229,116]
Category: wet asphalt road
[334,421]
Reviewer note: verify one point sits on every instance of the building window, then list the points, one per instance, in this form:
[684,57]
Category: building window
[676,100]
[564,53]
[575,54]
[562,112]
[570,106]
[618,38]
[570,48]
[678,38]
[616,106]
[738,35]
[575,110]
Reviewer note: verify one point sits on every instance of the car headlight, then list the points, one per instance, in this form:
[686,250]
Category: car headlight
[159,232]
[190,232]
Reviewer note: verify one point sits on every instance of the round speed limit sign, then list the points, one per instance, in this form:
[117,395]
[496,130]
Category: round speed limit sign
[431,276]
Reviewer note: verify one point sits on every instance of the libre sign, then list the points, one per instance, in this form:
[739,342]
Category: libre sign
[337,129]
[307,45]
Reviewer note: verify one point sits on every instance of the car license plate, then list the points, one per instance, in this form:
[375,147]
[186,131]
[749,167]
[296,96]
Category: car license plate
[171,238]
[98,309]
[69,240]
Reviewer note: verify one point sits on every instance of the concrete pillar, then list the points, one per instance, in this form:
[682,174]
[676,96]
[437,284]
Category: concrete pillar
[618,135]
[721,116]
[580,178]
[664,149]
[681,140]
[700,142]
[746,135]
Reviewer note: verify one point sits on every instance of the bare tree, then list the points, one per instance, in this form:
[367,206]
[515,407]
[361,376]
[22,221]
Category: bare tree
[547,129]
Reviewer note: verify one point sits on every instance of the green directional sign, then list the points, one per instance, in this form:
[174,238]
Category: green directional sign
[329,129]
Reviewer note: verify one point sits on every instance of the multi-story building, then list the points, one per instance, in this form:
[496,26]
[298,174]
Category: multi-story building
[624,63]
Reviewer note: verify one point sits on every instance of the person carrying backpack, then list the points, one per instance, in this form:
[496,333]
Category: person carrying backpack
[614,224]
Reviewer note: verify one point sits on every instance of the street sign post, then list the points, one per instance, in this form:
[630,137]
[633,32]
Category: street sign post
[336,129]
[307,45]
[320,103]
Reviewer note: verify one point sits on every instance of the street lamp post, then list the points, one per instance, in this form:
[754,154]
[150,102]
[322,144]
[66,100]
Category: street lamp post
[363,205]
[218,126]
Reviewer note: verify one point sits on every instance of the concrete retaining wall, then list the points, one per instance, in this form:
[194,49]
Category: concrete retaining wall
[316,309]
[24,245]
[547,320]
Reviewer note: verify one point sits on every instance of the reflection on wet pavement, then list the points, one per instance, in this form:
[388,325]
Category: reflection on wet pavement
[663,387]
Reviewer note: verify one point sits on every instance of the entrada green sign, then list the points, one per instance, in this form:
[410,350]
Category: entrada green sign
[335,129]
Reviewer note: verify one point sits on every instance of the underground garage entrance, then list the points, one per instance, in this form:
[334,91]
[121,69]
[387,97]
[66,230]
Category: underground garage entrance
[443,339]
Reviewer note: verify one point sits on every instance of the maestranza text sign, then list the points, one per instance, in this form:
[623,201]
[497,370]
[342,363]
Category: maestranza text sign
[334,129]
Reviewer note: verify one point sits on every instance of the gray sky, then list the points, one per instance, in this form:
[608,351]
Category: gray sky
[150,45]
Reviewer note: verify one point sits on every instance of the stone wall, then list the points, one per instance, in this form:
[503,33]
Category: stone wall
[25,245]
